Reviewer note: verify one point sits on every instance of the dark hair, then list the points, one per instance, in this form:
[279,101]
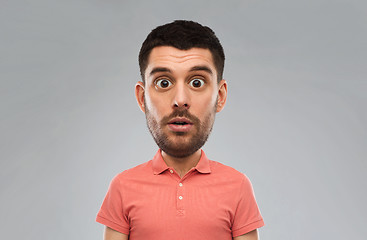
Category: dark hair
[183,35]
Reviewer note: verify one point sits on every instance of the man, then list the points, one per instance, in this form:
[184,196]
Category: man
[180,194]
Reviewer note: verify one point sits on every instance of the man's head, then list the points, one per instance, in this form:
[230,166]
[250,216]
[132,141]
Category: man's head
[181,92]
[183,35]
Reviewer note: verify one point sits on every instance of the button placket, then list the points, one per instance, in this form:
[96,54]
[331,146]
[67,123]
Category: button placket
[180,196]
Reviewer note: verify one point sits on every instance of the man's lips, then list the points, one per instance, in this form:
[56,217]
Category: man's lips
[180,120]
[180,124]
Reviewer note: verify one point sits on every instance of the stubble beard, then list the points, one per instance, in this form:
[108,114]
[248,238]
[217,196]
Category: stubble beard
[180,145]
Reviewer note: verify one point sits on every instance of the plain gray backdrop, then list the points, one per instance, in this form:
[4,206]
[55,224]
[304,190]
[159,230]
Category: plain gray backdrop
[294,123]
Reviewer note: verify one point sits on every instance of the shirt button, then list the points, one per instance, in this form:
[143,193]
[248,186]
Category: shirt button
[180,197]
[171,171]
[180,184]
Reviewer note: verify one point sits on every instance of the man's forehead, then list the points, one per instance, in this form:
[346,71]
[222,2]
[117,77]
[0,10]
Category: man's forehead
[192,69]
[192,59]
[175,54]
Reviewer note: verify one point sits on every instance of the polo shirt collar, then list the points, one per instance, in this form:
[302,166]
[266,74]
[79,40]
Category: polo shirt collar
[159,165]
[203,165]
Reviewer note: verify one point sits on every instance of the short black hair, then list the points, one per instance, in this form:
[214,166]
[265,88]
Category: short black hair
[183,35]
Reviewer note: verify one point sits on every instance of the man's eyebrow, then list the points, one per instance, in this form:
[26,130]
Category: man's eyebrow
[159,69]
[202,68]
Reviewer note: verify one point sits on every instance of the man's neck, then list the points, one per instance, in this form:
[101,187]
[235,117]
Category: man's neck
[182,165]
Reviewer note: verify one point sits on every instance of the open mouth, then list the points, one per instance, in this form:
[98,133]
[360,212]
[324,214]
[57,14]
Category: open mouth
[180,124]
[180,121]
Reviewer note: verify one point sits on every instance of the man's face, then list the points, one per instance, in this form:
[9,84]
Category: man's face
[180,98]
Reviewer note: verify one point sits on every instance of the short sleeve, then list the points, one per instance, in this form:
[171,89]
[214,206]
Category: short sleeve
[112,213]
[247,216]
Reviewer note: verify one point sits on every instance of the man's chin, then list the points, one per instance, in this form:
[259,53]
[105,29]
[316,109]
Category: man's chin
[180,133]
[180,148]
[179,152]
[180,141]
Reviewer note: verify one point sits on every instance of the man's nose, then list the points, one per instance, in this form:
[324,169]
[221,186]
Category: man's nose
[181,97]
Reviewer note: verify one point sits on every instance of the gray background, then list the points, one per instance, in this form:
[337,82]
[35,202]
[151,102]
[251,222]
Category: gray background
[295,120]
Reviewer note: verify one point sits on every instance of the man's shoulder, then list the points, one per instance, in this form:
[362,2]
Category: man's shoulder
[218,168]
[135,172]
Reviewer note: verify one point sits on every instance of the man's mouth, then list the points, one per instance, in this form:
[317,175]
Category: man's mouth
[180,124]
[180,121]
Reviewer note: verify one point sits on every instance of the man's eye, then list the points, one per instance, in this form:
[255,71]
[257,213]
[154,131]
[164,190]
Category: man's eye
[163,83]
[196,83]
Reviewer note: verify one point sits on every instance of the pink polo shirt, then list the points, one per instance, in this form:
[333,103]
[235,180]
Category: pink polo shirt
[151,201]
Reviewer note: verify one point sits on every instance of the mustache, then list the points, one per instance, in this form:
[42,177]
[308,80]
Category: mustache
[180,113]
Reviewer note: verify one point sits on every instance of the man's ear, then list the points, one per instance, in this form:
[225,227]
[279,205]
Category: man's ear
[222,95]
[139,94]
